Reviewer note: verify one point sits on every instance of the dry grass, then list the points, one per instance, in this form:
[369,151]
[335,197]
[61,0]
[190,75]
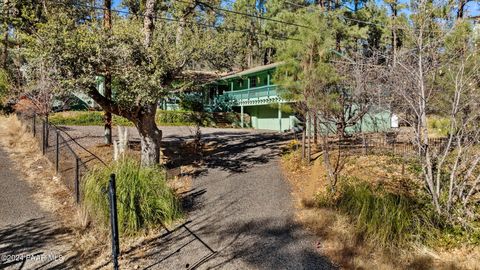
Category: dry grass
[338,238]
[52,195]
[39,172]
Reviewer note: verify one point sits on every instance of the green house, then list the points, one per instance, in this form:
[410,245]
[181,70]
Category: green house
[252,92]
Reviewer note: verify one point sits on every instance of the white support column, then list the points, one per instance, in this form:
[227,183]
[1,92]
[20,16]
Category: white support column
[231,86]
[268,84]
[279,117]
[241,116]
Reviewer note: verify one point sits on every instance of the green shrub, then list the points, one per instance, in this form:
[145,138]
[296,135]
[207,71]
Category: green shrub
[144,198]
[438,126]
[191,102]
[381,217]
[81,118]
[163,118]
[4,84]
[173,118]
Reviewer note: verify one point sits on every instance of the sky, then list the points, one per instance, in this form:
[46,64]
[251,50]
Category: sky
[472,8]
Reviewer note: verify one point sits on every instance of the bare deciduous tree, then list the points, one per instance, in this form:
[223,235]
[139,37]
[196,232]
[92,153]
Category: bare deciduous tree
[437,71]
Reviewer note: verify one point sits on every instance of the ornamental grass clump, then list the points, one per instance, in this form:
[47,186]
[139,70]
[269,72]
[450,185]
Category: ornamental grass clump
[144,199]
[382,217]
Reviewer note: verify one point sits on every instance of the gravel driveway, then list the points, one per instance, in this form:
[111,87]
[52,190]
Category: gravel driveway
[243,210]
[240,207]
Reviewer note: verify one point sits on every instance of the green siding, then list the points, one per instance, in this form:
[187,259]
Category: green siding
[260,79]
[379,121]
[266,117]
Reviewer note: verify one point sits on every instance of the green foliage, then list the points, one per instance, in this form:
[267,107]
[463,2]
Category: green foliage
[191,102]
[4,85]
[163,118]
[174,118]
[438,126]
[223,103]
[80,50]
[84,118]
[382,217]
[144,198]
[95,118]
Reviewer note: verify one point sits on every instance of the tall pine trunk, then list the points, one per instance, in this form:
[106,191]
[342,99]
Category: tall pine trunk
[107,23]
[6,20]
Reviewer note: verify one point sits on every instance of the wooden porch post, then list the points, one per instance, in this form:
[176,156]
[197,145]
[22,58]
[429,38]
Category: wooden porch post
[268,84]
[241,115]
[280,117]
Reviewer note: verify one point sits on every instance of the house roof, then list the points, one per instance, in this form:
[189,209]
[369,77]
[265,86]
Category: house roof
[251,70]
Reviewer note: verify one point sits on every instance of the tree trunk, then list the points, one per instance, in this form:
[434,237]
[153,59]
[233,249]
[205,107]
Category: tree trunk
[148,22]
[150,135]
[108,115]
[309,137]
[5,34]
[315,128]
[107,24]
[394,8]
[303,141]
[461,7]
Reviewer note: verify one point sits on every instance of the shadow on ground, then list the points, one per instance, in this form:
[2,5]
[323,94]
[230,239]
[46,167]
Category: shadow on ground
[232,152]
[219,240]
[40,237]
[259,244]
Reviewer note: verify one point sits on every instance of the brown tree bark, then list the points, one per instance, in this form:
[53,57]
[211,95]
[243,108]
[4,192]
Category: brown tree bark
[143,115]
[150,135]
[394,8]
[148,22]
[6,4]
[107,24]
[461,7]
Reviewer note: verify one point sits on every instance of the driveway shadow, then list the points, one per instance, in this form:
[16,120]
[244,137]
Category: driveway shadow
[41,237]
[267,244]
[232,152]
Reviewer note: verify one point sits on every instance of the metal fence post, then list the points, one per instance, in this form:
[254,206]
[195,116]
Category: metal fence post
[113,221]
[77,180]
[57,148]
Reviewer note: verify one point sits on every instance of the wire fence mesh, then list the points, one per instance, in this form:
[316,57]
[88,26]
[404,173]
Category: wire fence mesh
[381,144]
[69,158]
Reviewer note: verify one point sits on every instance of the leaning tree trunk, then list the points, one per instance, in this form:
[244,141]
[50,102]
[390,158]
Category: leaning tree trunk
[150,136]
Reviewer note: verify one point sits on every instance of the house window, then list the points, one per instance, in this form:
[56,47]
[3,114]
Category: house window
[253,81]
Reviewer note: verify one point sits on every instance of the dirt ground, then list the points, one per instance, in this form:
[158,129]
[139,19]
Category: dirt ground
[52,227]
[337,236]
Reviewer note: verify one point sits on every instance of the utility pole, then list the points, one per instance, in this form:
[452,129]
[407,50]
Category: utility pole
[107,24]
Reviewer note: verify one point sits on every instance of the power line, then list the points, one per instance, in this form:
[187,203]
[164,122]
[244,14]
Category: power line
[243,14]
[231,29]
